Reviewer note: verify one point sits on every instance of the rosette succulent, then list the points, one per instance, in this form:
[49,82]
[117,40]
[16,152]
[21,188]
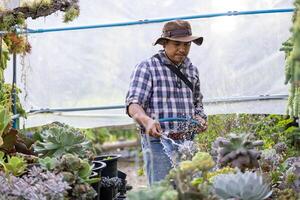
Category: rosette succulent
[237,151]
[59,140]
[269,160]
[243,186]
[201,161]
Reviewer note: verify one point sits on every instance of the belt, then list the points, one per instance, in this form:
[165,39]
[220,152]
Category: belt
[180,136]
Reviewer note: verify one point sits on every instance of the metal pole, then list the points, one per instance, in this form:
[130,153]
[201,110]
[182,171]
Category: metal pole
[14,92]
[149,21]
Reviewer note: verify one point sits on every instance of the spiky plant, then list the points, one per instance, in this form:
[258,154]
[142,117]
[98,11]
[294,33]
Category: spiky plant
[237,151]
[59,140]
[243,186]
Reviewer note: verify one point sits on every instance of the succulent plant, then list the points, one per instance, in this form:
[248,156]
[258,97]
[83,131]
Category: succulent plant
[280,147]
[111,182]
[72,166]
[284,194]
[157,192]
[215,147]
[201,161]
[292,177]
[244,186]
[269,160]
[83,191]
[59,140]
[35,185]
[76,172]
[190,177]
[290,161]
[237,151]
[48,163]
[15,165]
[224,170]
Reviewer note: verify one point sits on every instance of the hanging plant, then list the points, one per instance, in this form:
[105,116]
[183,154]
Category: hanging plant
[10,19]
[4,57]
[17,44]
[40,8]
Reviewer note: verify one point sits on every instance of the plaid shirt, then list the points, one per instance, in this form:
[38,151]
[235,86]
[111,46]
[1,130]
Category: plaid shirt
[164,95]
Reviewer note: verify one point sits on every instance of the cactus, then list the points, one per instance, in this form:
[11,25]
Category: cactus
[237,151]
[243,186]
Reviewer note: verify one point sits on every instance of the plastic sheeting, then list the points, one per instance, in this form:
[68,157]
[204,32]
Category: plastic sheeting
[239,57]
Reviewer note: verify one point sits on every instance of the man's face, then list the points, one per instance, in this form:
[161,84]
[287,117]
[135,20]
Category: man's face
[177,51]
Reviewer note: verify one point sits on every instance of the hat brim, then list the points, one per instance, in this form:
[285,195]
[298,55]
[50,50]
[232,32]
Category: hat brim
[197,40]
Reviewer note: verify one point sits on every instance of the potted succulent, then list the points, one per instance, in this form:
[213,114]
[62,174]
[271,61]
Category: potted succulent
[111,161]
[109,176]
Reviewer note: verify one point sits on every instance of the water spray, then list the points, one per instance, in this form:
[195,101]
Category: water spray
[174,149]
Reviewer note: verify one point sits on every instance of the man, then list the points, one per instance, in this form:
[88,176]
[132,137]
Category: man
[158,92]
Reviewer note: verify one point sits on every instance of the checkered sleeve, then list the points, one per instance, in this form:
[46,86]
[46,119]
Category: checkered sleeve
[198,98]
[140,86]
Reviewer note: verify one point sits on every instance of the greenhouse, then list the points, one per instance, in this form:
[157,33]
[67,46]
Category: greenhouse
[86,113]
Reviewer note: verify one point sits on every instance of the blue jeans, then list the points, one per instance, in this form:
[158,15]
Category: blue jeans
[157,162]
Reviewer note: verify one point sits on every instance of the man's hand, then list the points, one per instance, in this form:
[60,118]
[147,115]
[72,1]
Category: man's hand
[153,128]
[203,125]
[138,114]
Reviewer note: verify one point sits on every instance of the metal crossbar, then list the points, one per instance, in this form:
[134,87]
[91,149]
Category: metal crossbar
[149,21]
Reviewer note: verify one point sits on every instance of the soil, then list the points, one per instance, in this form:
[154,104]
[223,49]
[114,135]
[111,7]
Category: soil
[131,169]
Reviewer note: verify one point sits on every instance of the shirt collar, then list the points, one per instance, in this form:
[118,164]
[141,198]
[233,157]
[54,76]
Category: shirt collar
[167,61]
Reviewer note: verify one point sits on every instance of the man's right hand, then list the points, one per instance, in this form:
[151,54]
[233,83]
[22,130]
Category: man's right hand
[138,114]
[153,128]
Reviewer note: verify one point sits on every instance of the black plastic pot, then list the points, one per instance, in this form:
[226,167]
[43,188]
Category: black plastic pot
[96,186]
[111,161]
[97,168]
[108,193]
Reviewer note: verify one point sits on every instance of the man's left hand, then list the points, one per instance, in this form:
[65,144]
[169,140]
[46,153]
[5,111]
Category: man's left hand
[203,125]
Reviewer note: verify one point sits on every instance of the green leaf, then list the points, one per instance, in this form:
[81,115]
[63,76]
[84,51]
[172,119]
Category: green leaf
[16,165]
[48,163]
[85,171]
